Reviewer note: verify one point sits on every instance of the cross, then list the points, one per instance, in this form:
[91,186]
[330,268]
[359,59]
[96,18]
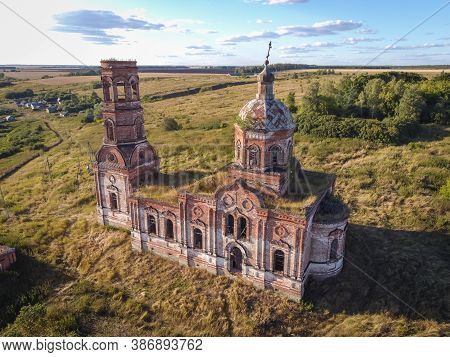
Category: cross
[268,52]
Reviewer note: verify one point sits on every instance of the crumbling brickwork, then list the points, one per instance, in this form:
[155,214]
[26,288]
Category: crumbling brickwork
[235,230]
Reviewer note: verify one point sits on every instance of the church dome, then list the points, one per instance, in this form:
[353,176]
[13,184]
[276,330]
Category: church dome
[265,112]
[269,115]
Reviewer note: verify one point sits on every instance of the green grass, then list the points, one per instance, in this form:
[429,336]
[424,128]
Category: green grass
[74,277]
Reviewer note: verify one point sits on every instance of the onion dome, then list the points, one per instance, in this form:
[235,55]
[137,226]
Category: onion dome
[265,112]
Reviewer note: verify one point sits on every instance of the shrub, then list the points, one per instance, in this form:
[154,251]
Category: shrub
[19,94]
[170,124]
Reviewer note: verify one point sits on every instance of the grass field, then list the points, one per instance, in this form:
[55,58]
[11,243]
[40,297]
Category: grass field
[74,277]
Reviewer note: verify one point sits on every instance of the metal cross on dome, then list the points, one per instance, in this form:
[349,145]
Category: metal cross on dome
[268,52]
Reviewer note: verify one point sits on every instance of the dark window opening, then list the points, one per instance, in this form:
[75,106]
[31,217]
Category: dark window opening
[169,229]
[134,91]
[151,224]
[334,249]
[141,157]
[229,225]
[198,241]
[114,201]
[275,155]
[278,261]
[238,152]
[253,157]
[235,260]
[242,228]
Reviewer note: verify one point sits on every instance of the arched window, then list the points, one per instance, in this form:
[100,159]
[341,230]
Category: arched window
[121,92]
[134,89]
[110,130]
[141,157]
[334,249]
[242,230]
[151,221]
[253,157]
[229,229]
[169,229]
[198,241]
[278,261]
[114,203]
[275,155]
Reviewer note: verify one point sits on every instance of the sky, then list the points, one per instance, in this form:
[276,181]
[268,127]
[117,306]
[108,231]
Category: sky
[225,32]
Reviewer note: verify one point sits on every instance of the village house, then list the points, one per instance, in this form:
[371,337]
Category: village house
[7,257]
[51,109]
[266,218]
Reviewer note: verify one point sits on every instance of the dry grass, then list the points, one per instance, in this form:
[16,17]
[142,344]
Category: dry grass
[74,277]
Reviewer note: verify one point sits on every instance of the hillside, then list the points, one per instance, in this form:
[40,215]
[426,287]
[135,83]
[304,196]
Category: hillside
[75,277]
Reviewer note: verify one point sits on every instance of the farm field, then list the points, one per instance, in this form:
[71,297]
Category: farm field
[74,276]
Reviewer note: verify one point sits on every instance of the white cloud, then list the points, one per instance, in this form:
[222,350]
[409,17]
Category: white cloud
[261,21]
[355,40]
[330,27]
[419,46]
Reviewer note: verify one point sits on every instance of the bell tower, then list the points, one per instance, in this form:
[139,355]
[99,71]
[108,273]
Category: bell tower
[126,159]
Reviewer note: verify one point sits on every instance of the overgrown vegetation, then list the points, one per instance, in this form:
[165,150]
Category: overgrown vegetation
[386,107]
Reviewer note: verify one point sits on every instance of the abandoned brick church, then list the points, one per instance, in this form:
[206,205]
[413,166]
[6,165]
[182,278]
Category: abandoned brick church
[266,218]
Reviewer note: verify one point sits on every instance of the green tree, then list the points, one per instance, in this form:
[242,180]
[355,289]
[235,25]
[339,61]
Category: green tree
[371,97]
[290,102]
[311,99]
[411,104]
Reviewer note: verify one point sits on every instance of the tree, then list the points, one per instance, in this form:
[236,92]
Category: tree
[411,104]
[371,97]
[311,99]
[290,102]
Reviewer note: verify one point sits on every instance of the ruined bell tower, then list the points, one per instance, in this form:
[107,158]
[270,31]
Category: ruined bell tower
[125,159]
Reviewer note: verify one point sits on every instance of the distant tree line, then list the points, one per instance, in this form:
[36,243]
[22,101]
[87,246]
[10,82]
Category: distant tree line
[246,70]
[386,107]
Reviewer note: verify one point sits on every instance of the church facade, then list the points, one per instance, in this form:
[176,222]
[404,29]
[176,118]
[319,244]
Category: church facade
[269,221]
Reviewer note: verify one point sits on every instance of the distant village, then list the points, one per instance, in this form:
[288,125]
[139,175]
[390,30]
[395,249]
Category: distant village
[43,105]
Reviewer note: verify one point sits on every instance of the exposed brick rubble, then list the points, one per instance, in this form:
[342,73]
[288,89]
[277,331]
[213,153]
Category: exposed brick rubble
[258,220]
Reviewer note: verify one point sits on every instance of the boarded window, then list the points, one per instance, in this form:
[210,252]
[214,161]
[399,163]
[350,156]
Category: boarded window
[151,224]
[198,241]
[278,261]
[229,225]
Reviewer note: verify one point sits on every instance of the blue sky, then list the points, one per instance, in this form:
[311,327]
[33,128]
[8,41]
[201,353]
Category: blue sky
[231,32]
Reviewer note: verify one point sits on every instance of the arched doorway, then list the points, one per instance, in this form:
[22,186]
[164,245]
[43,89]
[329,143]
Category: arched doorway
[235,260]
[169,229]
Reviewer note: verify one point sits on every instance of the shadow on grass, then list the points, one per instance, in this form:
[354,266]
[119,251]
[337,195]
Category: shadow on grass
[28,282]
[412,265]
[430,132]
